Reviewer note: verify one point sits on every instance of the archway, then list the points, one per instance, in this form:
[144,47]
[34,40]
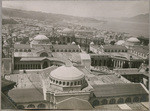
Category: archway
[143,99]
[45,65]
[104,101]
[135,99]
[31,106]
[44,54]
[120,101]
[20,107]
[41,106]
[112,101]
[128,100]
[95,103]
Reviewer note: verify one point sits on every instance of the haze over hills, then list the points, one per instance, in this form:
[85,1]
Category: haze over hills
[50,17]
[138,18]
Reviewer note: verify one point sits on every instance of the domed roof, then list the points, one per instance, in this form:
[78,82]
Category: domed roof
[92,43]
[67,30]
[41,37]
[120,42]
[73,43]
[133,39]
[67,73]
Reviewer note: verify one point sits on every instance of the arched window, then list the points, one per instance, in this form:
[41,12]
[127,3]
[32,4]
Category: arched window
[75,83]
[67,83]
[71,83]
[59,82]
[20,107]
[112,101]
[63,83]
[25,50]
[77,50]
[128,100]
[65,50]
[78,82]
[31,106]
[29,50]
[135,99]
[120,100]
[57,50]
[73,50]
[69,50]
[95,103]
[41,106]
[143,99]
[61,50]
[44,54]
[56,82]
[20,50]
[104,101]
[16,50]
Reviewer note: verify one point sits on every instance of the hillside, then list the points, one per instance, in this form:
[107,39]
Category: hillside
[139,18]
[45,16]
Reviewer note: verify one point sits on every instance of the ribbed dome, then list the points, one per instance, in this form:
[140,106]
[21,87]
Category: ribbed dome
[67,73]
[40,37]
[133,39]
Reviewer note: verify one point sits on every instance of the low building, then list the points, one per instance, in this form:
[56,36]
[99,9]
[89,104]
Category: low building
[119,94]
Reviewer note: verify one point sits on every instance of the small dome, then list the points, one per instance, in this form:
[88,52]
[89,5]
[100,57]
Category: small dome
[120,42]
[67,30]
[92,43]
[133,39]
[41,37]
[67,73]
[73,43]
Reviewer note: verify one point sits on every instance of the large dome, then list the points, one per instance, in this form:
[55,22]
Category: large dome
[41,37]
[133,39]
[67,73]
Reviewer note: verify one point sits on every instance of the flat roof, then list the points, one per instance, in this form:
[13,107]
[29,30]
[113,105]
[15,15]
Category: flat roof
[108,90]
[26,95]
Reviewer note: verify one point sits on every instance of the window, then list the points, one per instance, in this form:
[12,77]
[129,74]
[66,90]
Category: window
[112,101]
[95,103]
[29,50]
[41,106]
[67,83]
[135,99]
[16,50]
[120,100]
[20,50]
[20,107]
[31,106]
[63,83]
[104,101]
[59,82]
[25,50]
[128,100]
[44,54]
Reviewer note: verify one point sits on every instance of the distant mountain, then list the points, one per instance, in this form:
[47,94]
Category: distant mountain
[8,21]
[8,12]
[139,18]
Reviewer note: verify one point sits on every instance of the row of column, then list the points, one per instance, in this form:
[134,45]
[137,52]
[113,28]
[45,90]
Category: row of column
[118,63]
[27,66]
[99,63]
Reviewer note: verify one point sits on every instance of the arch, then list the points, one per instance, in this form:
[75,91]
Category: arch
[143,98]
[67,83]
[120,100]
[69,50]
[65,50]
[104,101]
[63,83]
[44,54]
[75,83]
[128,100]
[41,106]
[112,101]
[71,83]
[25,50]
[20,50]
[95,103]
[59,82]
[31,106]
[20,107]
[77,50]
[73,50]
[56,82]
[16,50]
[136,99]
[45,65]
[29,50]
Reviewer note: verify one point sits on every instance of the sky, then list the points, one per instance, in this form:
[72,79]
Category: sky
[96,8]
